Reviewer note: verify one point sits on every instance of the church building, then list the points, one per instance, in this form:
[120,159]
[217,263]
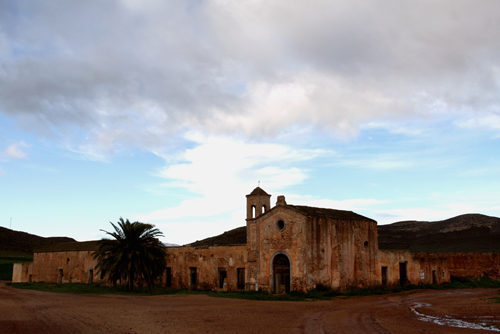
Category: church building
[282,248]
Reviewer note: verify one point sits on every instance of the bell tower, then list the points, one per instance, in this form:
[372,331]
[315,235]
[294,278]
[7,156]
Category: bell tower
[258,202]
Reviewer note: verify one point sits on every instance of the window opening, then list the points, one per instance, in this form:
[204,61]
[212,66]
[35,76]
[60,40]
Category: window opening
[280,225]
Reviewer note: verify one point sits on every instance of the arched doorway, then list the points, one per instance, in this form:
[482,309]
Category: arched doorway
[281,274]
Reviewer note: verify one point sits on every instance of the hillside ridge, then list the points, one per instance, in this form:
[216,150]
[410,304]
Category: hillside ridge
[23,242]
[471,232]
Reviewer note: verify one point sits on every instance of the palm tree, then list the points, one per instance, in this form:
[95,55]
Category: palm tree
[134,254]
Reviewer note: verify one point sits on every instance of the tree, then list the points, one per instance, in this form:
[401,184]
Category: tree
[134,254]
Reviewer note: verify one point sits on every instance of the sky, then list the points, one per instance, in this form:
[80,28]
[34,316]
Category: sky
[170,112]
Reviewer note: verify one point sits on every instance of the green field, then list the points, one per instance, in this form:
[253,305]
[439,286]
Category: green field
[6,264]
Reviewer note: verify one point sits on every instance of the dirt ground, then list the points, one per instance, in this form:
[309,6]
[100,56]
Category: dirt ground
[24,311]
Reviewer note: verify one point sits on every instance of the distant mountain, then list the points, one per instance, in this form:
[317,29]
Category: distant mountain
[22,243]
[166,244]
[465,233]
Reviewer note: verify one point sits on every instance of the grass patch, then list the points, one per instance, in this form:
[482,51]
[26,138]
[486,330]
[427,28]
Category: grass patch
[86,288]
[321,294]
[6,266]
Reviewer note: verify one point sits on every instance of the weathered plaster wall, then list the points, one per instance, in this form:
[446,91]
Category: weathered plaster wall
[332,252]
[421,268]
[22,272]
[354,253]
[75,266]
[392,260]
[433,268]
[207,261]
[473,264]
[291,241]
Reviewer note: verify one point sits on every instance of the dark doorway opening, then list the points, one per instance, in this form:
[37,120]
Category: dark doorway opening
[403,273]
[434,277]
[281,271]
[90,278]
[241,279]
[60,276]
[384,276]
[193,278]
[222,278]
[168,280]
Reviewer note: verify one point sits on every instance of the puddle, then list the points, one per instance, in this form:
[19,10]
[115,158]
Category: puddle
[452,322]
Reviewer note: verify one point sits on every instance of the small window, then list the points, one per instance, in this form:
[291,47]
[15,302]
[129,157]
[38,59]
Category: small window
[280,225]
[366,244]
[264,209]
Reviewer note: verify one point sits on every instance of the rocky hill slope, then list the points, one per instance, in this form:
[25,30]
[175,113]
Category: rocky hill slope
[18,242]
[465,233]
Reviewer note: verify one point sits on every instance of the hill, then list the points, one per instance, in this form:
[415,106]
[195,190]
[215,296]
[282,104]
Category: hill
[17,243]
[237,236]
[465,233]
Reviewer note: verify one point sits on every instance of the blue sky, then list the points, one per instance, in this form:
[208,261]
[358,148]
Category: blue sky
[170,112]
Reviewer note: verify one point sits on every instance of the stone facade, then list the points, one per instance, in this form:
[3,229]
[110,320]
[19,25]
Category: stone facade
[215,268]
[288,248]
[65,267]
[473,264]
[332,248]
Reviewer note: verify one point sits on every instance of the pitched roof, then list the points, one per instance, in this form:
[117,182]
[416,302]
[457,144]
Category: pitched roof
[327,213]
[258,191]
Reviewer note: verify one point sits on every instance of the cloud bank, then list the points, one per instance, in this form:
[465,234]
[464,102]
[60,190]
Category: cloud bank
[104,77]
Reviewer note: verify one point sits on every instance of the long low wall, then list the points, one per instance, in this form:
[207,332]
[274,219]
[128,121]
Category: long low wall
[65,267]
[474,264]
[403,267]
[206,267]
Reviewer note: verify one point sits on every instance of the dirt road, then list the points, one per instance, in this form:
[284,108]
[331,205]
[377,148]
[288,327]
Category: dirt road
[24,311]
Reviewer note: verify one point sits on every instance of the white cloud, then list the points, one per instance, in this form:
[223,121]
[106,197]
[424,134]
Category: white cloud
[490,122]
[219,169]
[348,204]
[15,151]
[143,73]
